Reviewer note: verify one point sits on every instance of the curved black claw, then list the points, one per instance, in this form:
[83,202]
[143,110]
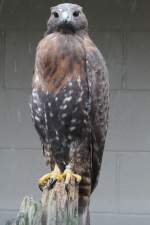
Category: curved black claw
[41,187]
[67,187]
[51,183]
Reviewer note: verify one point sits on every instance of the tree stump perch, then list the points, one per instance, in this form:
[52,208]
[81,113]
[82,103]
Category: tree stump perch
[57,207]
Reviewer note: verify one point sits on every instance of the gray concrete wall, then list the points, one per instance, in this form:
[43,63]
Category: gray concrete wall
[121,29]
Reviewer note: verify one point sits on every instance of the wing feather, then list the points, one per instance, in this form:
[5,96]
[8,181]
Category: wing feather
[97,74]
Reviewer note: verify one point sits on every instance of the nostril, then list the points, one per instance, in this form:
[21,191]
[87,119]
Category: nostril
[76,13]
[56,15]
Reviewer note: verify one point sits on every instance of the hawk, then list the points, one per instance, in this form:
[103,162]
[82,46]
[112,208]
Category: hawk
[70,101]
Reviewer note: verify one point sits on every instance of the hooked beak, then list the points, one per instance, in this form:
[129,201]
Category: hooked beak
[66,17]
[66,23]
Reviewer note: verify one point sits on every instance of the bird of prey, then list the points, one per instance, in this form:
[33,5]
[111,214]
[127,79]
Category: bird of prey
[70,101]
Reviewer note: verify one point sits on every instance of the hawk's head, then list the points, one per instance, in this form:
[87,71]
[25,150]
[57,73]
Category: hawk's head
[67,18]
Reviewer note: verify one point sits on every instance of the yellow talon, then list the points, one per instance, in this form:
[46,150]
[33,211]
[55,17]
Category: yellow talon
[67,174]
[55,175]
[44,179]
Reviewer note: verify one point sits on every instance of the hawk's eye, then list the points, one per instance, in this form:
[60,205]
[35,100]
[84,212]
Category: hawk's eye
[76,13]
[56,15]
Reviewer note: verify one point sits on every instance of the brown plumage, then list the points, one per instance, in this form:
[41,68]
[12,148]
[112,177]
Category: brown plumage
[70,99]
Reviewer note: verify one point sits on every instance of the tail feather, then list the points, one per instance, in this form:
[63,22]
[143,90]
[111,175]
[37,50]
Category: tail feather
[84,199]
[84,217]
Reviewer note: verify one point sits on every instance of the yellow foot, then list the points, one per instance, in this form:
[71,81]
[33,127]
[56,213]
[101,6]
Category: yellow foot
[67,175]
[49,179]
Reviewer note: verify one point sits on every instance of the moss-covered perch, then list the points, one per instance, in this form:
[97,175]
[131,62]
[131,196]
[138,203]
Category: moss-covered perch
[57,207]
